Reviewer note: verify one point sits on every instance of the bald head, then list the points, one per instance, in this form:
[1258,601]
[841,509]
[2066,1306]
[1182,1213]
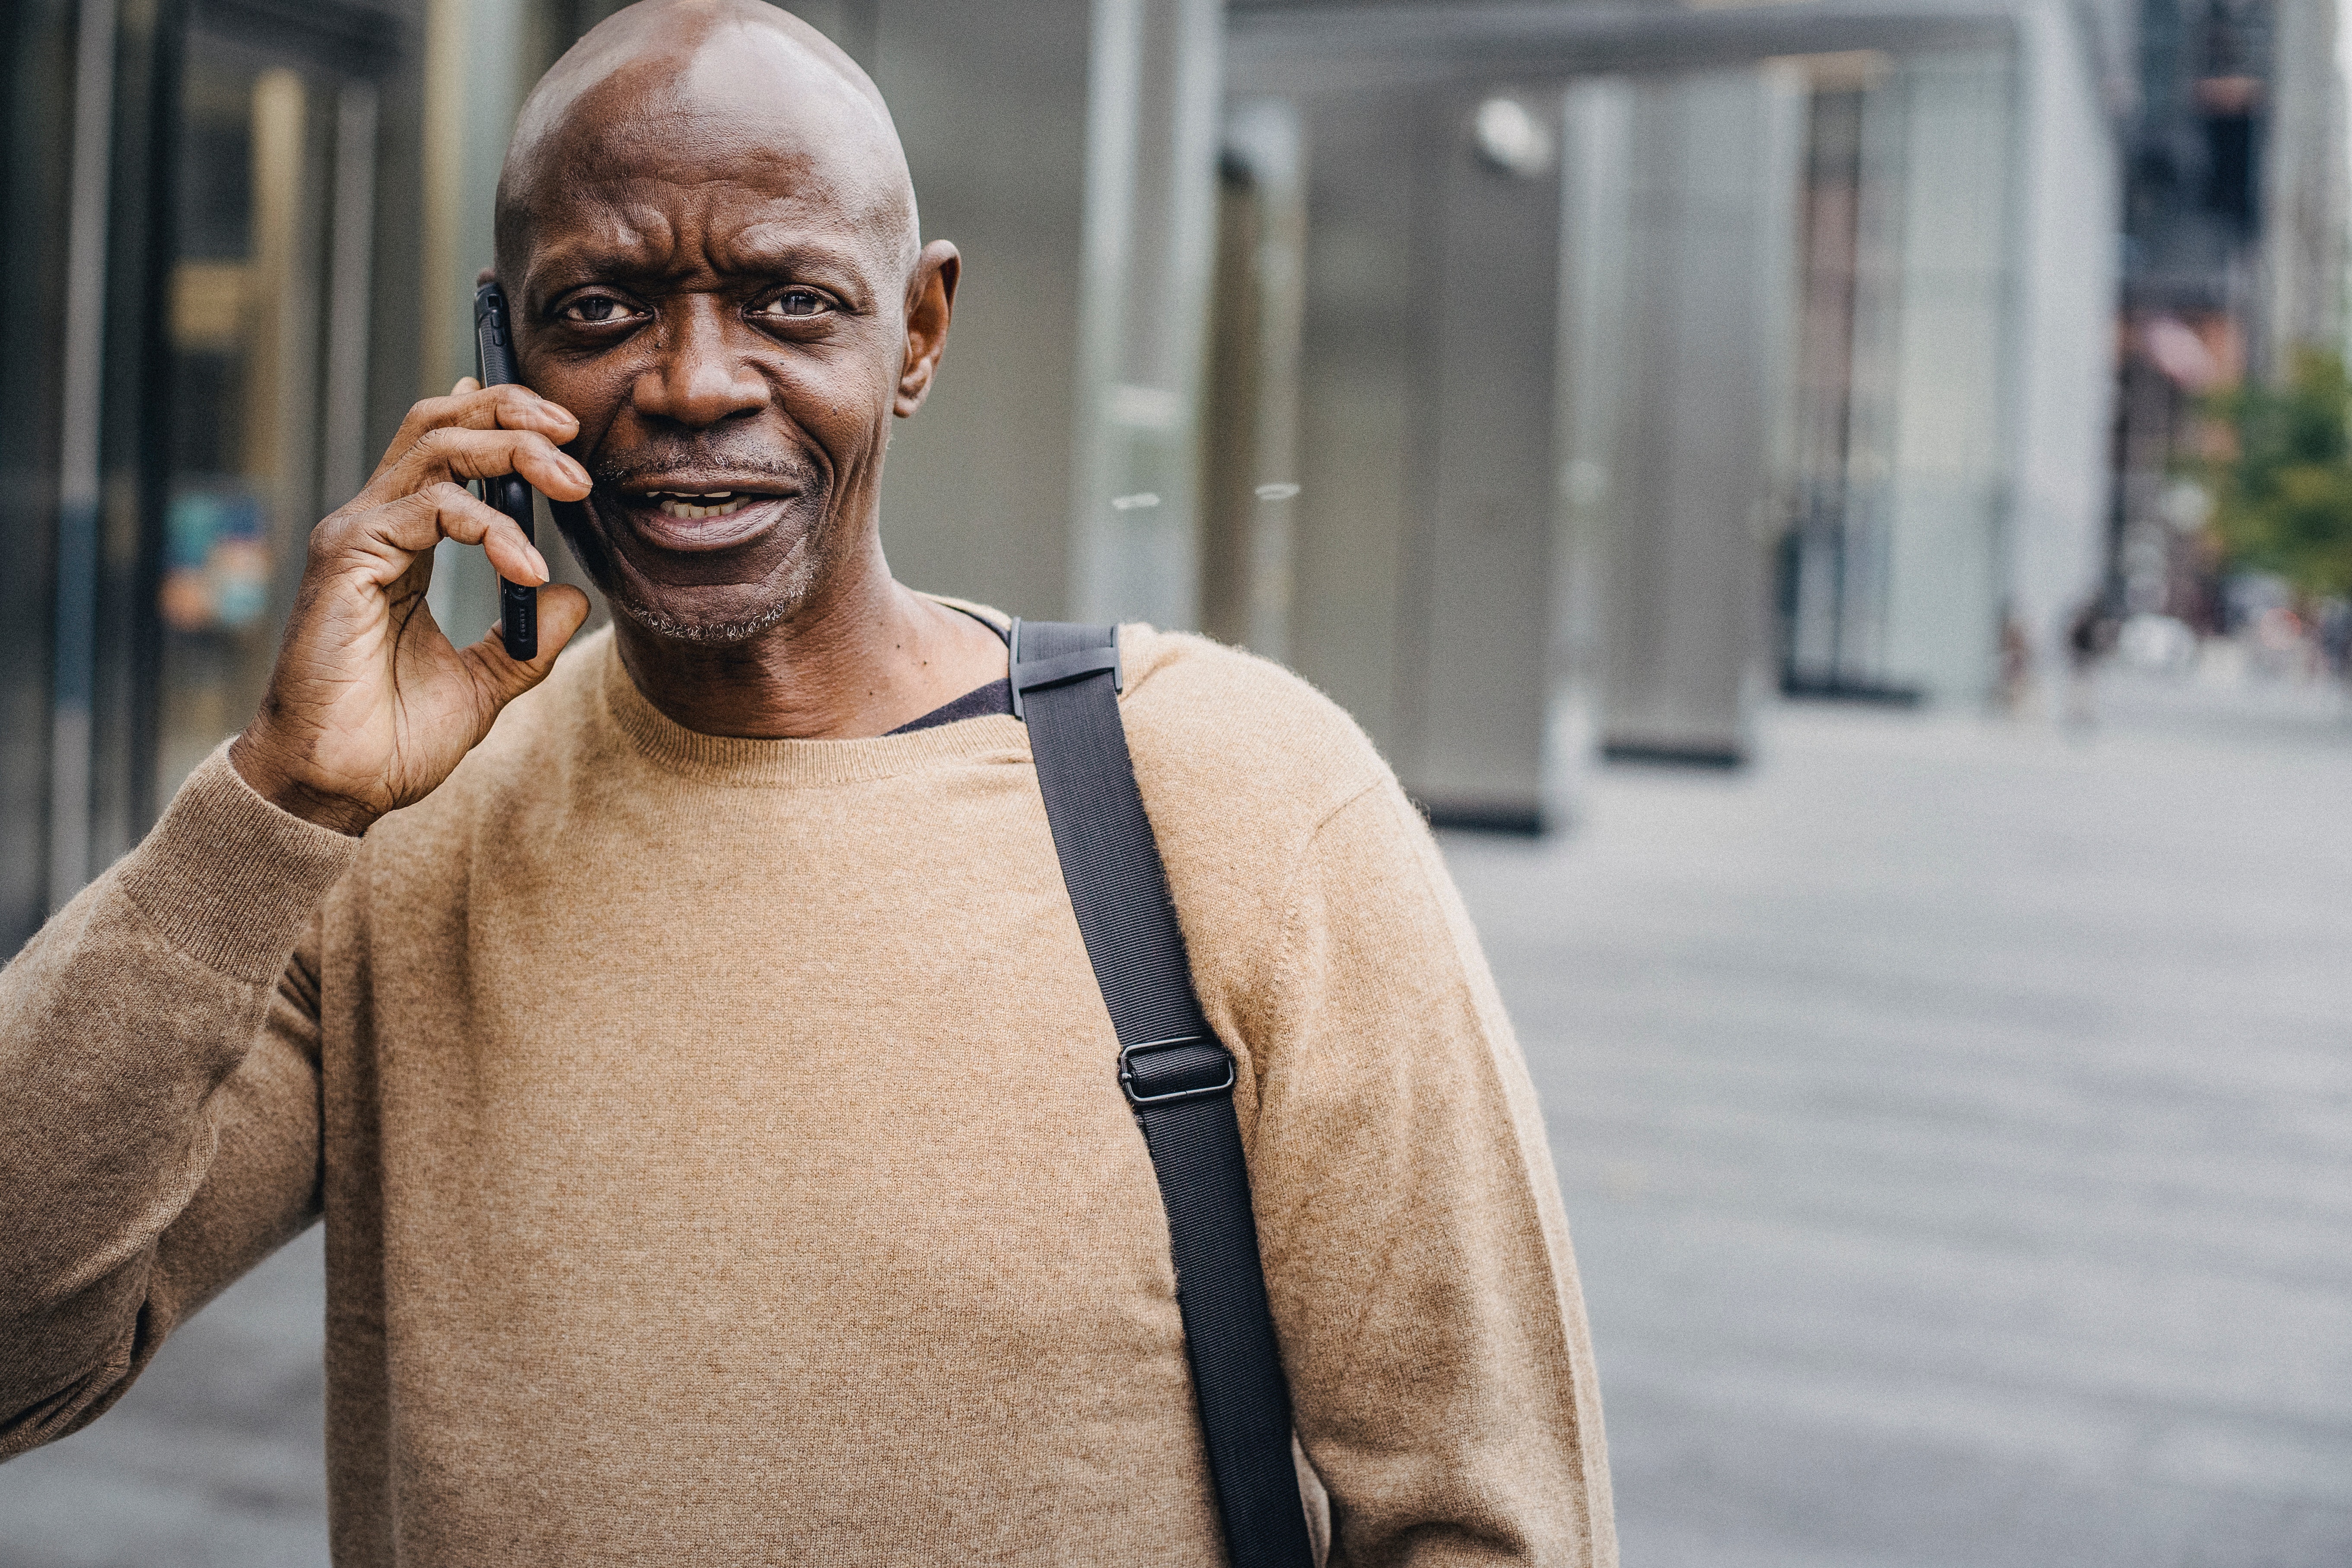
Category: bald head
[681,92]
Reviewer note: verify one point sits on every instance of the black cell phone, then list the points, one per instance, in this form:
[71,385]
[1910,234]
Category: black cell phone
[494,363]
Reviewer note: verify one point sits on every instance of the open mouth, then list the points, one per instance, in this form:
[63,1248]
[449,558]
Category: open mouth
[688,505]
[674,518]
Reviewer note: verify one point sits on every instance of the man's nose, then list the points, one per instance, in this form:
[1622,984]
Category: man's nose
[697,379]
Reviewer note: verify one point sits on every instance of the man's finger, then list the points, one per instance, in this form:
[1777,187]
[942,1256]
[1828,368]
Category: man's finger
[500,680]
[471,406]
[385,539]
[454,452]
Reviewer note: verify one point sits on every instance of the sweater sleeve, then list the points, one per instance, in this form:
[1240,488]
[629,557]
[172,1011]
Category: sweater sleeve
[1417,1249]
[159,1096]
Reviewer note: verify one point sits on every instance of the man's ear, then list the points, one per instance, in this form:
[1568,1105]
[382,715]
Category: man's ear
[931,302]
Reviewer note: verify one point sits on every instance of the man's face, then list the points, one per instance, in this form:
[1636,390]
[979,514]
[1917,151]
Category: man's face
[718,292]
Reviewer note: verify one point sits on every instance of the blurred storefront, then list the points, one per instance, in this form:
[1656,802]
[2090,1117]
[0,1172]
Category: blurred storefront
[196,201]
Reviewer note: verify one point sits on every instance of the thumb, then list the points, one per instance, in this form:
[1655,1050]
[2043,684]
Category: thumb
[500,680]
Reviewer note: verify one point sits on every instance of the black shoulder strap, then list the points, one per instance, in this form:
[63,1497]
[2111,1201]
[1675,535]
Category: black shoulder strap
[1065,684]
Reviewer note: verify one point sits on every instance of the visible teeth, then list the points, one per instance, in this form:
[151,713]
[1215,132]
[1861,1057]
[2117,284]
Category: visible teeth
[709,503]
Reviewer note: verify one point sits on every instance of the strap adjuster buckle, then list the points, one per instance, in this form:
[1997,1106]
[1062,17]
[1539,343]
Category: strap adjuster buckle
[1034,675]
[1127,1074]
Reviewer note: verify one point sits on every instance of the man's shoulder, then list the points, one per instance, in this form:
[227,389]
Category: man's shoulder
[1221,734]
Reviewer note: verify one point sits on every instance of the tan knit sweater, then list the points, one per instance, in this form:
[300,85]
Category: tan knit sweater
[722,1162]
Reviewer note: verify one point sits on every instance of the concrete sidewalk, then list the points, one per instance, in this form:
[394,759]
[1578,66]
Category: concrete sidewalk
[1956,1123]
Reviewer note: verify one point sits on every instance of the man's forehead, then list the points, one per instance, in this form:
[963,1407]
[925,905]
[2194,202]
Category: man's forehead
[614,225]
[732,157]
[751,208]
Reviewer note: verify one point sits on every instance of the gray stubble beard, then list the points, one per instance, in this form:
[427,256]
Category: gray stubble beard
[710,634]
[792,594]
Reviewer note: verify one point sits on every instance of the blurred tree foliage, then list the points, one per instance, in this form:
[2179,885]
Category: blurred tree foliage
[2283,494]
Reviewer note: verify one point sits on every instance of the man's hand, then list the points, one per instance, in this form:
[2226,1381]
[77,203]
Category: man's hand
[369,706]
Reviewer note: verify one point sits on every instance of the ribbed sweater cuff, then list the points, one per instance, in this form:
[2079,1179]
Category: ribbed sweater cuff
[230,879]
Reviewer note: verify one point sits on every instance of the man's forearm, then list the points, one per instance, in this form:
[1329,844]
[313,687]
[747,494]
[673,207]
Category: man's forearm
[122,1026]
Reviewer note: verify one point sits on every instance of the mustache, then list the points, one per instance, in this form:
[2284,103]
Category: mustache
[739,459]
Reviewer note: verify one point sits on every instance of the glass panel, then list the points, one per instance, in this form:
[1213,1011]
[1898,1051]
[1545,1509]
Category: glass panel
[36,114]
[243,325]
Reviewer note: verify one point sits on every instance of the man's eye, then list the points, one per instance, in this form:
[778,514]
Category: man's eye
[798,302]
[595,309]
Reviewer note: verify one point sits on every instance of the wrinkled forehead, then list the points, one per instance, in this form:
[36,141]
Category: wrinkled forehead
[682,148]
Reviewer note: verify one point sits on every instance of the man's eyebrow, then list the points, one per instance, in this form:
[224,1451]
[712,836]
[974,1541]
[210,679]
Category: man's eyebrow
[632,252]
[653,256]
[760,247]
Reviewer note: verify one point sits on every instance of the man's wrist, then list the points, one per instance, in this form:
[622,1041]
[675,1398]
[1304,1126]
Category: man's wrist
[229,877]
[257,763]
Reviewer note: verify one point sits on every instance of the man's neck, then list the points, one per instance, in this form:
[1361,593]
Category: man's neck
[871,656]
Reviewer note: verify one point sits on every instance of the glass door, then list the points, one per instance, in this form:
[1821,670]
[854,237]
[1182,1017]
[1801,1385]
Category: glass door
[264,319]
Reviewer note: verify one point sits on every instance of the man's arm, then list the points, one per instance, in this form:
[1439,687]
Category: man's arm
[159,1098]
[1417,1251]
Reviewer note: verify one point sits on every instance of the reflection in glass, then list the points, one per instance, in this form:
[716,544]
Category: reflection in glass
[243,328]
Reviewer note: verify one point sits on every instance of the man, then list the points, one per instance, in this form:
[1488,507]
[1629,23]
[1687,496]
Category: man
[701,1074]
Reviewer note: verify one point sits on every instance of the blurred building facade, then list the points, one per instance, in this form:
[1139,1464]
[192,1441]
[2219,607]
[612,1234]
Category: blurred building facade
[2234,257]
[1652,354]
[213,215]
[1528,375]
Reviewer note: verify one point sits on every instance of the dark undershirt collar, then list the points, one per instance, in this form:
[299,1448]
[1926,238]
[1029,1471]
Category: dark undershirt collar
[980,702]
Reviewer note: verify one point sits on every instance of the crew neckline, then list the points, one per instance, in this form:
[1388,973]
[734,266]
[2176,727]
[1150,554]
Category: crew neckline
[791,761]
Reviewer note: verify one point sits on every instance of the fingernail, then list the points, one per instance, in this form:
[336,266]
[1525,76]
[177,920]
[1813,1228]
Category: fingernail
[540,561]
